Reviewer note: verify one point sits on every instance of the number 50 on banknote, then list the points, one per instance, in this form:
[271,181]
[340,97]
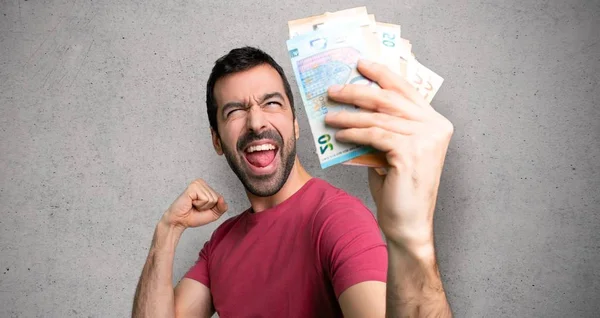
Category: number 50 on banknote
[321,59]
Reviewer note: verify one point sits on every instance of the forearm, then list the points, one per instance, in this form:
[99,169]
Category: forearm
[414,285]
[154,296]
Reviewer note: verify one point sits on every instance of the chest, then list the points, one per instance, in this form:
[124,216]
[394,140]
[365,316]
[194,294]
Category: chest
[268,267]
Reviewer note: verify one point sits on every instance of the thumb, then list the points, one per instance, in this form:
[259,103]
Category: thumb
[221,206]
[375,182]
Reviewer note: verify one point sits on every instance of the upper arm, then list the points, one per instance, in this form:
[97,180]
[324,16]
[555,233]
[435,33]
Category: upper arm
[192,293]
[192,299]
[366,299]
[350,246]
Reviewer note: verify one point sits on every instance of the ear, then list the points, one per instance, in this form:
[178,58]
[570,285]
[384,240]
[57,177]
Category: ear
[296,129]
[216,142]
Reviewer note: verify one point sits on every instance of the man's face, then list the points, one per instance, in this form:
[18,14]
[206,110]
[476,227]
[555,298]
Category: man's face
[257,131]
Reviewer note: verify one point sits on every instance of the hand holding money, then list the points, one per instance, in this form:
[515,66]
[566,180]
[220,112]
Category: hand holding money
[324,51]
[399,122]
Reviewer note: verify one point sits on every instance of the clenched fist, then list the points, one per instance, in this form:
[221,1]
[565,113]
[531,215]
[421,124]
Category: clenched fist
[198,205]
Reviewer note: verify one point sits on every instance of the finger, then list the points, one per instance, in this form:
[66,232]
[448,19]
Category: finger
[194,190]
[377,100]
[387,79]
[202,205]
[212,195]
[375,137]
[208,210]
[345,119]
[204,217]
[221,206]
[375,183]
[200,197]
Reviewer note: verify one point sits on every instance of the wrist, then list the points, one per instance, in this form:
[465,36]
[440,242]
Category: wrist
[421,251]
[415,241]
[167,223]
[166,237]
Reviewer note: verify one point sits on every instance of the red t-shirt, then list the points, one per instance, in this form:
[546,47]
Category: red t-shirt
[295,259]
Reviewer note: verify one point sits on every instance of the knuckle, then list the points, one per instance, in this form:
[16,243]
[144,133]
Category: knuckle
[387,100]
[446,129]
[193,188]
[445,124]
[346,91]
[390,99]
[214,193]
[375,133]
[195,191]
[371,133]
[382,119]
[377,67]
[449,127]
[197,182]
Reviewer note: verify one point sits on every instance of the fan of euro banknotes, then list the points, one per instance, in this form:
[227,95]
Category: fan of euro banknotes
[324,51]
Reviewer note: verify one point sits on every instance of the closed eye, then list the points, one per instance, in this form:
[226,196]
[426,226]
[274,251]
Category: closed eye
[233,110]
[273,103]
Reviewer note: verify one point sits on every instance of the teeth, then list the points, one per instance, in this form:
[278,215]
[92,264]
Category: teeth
[262,147]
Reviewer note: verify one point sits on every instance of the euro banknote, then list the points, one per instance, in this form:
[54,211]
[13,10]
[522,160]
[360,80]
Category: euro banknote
[321,59]
[324,50]
[356,15]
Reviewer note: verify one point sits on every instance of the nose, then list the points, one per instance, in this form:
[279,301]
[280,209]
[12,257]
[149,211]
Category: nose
[256,120]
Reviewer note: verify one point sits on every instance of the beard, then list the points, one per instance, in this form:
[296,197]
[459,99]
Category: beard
[264,185]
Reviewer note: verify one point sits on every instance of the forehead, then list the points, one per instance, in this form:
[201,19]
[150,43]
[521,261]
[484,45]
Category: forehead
[243,86]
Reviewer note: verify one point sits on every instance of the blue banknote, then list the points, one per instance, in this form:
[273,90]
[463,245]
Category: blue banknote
[320,59]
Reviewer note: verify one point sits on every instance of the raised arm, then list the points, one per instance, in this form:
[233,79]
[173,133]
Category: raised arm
[414,138]
[155,296]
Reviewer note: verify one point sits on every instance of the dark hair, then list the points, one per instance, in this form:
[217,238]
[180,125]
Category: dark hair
[239,60]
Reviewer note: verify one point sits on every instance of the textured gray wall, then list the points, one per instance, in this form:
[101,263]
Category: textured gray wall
[102,125]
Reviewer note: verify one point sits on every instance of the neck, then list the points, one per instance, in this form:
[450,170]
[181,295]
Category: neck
[297,178]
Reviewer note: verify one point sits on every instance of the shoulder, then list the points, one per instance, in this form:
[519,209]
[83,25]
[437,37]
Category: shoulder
[328,195]
[348,243]
[336,204]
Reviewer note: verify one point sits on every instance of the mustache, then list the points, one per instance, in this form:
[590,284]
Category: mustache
[251,136]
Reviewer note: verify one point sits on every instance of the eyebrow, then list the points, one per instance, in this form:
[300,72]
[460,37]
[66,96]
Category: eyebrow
[264,98]
[268,96]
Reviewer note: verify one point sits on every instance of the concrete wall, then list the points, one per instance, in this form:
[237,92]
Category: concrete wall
[102,125]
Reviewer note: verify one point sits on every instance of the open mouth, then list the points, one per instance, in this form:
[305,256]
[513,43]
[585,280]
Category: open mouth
[261,155]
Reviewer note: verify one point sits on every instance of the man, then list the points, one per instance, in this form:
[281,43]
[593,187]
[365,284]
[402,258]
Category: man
[305,248]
